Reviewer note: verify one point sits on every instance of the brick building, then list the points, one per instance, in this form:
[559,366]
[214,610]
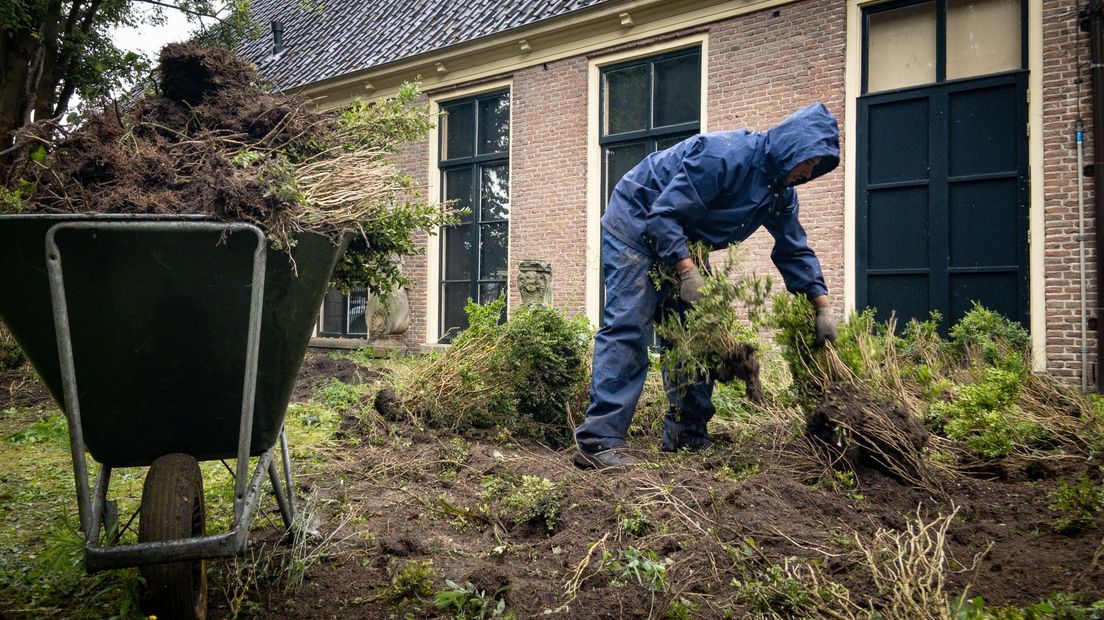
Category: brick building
[959,179]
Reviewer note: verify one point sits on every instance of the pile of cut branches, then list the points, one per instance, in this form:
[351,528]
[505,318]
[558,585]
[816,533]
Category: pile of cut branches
[214,140]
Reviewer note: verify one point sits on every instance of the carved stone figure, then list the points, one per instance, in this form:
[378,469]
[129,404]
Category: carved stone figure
[390,318]
[535,282]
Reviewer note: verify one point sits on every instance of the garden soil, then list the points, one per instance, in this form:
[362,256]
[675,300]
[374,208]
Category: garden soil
[702,513]
[166,154]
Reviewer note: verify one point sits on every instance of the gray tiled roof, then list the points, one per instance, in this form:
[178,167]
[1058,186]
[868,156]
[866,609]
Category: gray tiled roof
[346,36]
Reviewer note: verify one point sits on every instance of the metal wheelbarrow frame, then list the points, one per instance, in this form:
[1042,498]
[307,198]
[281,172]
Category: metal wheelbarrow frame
[167,426]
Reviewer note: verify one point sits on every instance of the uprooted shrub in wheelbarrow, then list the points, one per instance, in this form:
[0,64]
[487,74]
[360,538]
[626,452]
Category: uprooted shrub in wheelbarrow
[163,269]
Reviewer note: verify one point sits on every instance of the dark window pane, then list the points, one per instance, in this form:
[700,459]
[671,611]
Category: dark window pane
[454,298]
[666,143]
[627,99]
[495,192]
[492,251]
[490,291]
[458,252]
[677,90]
[494,124]
[333,312]
[459,131]
[620,159]
[458,188]
[358,306]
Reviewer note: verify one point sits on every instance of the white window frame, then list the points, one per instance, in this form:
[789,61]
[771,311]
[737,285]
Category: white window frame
[594,149]
[433,193]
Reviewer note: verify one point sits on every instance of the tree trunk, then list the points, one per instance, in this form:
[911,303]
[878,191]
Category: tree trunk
[16,51]
[47,86]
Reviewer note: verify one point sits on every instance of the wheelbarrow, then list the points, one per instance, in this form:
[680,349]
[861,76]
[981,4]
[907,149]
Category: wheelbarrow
[167,341]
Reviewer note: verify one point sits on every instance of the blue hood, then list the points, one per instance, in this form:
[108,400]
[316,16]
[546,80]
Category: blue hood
[810,132]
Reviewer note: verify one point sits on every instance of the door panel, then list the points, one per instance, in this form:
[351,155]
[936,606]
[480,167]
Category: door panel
[899,218]
[909,292]
[895,152]
[942,199]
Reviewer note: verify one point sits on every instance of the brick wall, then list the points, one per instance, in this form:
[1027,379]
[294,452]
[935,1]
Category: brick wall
[548,169]
[764,66]
[1059,178]
[414,161]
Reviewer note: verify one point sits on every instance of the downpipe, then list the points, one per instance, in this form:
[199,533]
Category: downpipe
[1094,20]
[1079,127]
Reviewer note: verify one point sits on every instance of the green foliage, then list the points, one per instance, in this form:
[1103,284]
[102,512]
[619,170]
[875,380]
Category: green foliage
[412,581]
[341,397]
[714,325]
[794,320]
[642,567]
[53,429]
[1077,504]
[384,126]
[1058,606]
[526,499]
[529,373]
[466,602]
[12,199]
[990,335]
[452,456]
[632,520]
[681,608]
[985,415]
[773,591]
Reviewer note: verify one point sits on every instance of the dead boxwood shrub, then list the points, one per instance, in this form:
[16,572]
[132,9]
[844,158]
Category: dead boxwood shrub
[527,375]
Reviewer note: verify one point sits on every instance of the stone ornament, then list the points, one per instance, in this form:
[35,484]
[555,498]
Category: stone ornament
[535,282]
[390,317]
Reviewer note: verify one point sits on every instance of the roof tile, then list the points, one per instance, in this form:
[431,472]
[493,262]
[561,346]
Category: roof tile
[340,37]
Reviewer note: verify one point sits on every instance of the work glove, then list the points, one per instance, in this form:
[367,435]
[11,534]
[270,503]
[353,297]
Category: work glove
[690,283]
[825,326]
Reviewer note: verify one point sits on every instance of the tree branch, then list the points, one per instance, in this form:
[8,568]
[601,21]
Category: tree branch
[187,11]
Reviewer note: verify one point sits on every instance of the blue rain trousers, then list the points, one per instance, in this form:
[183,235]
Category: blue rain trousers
[633,304]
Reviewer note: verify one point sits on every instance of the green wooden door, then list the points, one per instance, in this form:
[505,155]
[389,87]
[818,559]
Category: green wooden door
[942,199]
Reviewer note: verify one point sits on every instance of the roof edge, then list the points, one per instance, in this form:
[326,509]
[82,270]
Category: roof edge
[576,33]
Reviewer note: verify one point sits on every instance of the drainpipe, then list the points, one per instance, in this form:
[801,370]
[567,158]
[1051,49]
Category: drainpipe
[1095,22]
[1079,128]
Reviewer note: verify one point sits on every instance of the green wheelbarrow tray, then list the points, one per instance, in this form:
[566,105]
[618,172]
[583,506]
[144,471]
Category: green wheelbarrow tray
[158,322]
[164,338]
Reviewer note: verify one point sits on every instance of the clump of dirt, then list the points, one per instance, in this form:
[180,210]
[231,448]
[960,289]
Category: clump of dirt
[866,431]
[190,73]
[741,362]
[388,404]
[319,369]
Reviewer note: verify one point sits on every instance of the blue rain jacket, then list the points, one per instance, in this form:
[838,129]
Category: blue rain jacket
[721,187]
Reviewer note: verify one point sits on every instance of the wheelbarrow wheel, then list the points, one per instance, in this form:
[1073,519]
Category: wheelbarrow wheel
[172,509]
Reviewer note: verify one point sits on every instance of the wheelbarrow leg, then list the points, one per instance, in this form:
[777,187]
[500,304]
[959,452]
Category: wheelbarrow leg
[285,495]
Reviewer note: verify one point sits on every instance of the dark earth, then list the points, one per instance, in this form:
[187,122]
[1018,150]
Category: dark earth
[700,508]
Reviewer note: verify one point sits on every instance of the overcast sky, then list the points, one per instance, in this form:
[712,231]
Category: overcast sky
[150,39]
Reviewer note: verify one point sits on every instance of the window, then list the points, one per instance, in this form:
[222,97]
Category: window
[647,105]
[344,316]
[913,43]
[475,175]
